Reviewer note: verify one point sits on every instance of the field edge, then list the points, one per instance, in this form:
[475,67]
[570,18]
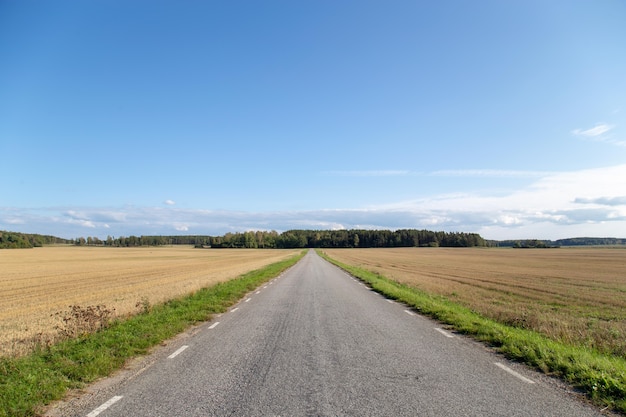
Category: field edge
[602,378]
[31,382]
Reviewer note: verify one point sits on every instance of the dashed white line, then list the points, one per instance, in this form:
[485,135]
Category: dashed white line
[515,374]
[104,406]
[391,301]
[214,325]
[443,332]
[258,292]
[409,312]
[247,300]
[234,309]
[265,287]
[178,352]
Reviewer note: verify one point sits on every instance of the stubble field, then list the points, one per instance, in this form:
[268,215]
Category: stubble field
[573,295]
[35,284]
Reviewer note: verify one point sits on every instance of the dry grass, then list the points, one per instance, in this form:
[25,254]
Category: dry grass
[36,284]
[573,295]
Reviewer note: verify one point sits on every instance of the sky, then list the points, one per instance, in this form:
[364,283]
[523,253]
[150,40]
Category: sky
[504,118]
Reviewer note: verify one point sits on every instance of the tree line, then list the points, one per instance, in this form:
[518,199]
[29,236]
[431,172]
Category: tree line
[290,239]
[301,239]
[575,241]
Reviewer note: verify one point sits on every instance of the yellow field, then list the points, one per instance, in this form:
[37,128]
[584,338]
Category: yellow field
[37,283]
[575,295]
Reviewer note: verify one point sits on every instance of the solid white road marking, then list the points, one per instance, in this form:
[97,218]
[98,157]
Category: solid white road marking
[234,309]
[443,332]
[410,313]
[512,372]
[104,406]
[178,352]
[214,325]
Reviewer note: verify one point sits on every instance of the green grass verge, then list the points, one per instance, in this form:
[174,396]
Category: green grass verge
[601,377]
[28,383]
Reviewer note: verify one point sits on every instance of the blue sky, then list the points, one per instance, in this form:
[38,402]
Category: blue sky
[505,118]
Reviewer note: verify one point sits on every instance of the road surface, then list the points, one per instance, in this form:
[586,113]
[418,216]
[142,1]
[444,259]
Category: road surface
[316,342]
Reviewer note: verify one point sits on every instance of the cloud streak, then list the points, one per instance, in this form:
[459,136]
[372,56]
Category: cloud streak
[598,130]
[600,133]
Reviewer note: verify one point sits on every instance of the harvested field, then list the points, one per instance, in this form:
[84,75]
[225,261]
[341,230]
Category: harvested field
[37,283]
[573,295]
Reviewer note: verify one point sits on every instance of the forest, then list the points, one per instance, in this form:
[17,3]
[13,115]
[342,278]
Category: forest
[14,240]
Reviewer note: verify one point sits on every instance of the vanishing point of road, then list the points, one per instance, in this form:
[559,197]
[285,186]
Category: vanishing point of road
[316,342]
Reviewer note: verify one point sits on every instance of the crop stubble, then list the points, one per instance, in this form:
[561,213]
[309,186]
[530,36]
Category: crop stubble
[574,295]
[37,283]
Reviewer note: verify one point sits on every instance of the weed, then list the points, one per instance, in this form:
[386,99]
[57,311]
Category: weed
[143,305]
[80,321]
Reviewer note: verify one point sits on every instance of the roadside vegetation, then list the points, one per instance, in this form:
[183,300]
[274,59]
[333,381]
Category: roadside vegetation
[601,376]
[29,382]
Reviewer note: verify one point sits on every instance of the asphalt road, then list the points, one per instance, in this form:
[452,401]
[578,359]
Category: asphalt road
[315,342]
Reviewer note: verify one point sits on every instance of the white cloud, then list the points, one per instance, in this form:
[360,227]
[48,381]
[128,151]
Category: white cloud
[564,204]
[169,202]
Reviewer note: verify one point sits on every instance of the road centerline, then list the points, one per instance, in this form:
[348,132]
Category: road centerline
[178,352]
[512,372]
[104,406]
[443,332]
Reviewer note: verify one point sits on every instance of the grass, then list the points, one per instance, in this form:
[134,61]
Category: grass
[601,377]
[29,382]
